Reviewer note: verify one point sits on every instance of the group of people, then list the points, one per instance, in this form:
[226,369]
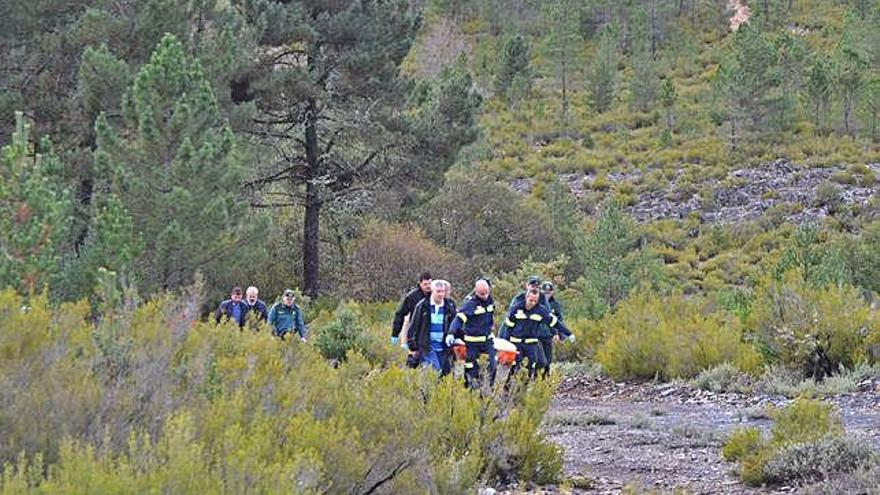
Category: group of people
[285,317]
[431,325]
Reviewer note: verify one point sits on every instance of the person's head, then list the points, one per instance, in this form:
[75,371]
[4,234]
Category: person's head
[438,290]
[252,294]
[531,298]
[235,295]
[481,289]
[533,283]
[548,289]
[287,297]
[425,282]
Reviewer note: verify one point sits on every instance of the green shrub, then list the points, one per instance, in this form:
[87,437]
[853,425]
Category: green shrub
[807,442]
[670,337]
[742,443]
[200,408]
[722,378]
[816,460]
[815,330]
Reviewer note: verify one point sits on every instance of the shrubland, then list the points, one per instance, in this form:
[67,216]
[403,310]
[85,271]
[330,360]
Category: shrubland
[153,399]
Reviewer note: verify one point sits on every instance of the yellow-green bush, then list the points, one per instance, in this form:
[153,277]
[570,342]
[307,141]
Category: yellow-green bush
[814,330]
[670,337]
[150,400]
[807,441]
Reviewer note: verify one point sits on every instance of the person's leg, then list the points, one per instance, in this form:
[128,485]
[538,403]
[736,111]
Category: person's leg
[445,361]
[432,359]
[471,369]
[547,348]
[490,352]
[533,355]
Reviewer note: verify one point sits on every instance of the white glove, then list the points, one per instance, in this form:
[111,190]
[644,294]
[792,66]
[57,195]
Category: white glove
[450,339]
[404,346]
[571,338]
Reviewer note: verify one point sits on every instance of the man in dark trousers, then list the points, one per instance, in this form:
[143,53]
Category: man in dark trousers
[547,335]
[428,333]
[404,311]
[522,328]
[473,323]
[233,308]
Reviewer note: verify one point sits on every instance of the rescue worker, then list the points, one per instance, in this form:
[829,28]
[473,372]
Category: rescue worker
[547,336]
[404,311]
[473,324]
[534,282]
[429,327]
[233,308]
[255,305]
[286,317]
[522,328]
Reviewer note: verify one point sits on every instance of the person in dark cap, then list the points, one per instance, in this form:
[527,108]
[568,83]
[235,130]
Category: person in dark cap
[286,317]
[533,283]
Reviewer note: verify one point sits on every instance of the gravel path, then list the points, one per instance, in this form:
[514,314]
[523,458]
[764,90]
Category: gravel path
[642,437]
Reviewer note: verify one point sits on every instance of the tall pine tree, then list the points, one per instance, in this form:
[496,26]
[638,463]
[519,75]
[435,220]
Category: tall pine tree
[174,167]
[34,209]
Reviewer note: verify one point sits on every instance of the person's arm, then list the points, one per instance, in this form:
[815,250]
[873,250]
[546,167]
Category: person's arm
[415,322]
[299,324]
[219,313]
[558,309]
[456,328]
[399,315]
[273,315]
[262,311]
[506,326]
[556,325]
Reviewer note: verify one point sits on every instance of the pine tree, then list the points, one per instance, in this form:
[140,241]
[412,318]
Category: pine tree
[560,21]
[668,97]
[513,67]
[603,76]
[34,212]
[819,88]
[328,90]
[175,169]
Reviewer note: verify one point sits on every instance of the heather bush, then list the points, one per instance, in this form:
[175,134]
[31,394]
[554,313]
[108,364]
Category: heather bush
[153,400]
[670,337]
[807,443]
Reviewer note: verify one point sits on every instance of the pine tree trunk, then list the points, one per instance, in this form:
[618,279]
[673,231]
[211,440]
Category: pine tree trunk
[311,242]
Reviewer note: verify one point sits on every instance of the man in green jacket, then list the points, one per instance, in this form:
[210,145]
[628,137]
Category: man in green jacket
[286,317]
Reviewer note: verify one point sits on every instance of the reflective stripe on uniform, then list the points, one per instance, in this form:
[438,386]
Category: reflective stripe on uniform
[553,320]
[462,317]
[517,340]
[479,310]
[535,317]
[509,323]
[468,365]
[520,315]
[475,338]
[490,308]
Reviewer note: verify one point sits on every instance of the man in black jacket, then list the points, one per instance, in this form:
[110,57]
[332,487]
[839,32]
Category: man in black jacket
[233,308]
[404,311]
[427,337]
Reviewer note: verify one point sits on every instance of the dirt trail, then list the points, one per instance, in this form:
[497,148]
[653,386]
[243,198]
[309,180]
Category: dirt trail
[669,436]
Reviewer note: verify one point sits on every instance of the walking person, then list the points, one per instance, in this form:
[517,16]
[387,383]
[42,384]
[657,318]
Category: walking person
[255,305]
[428,337]
[522,328]
[402,316]
[473,323]
[548,336]
[232,309]
[286,317]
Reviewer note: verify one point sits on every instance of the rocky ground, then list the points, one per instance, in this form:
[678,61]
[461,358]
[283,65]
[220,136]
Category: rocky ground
[744,194]
[649,437]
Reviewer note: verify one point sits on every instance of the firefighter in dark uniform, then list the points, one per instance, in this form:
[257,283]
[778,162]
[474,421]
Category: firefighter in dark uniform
[473,323]
[523,328]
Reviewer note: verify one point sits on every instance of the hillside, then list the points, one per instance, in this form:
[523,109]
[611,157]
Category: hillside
[696,179]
